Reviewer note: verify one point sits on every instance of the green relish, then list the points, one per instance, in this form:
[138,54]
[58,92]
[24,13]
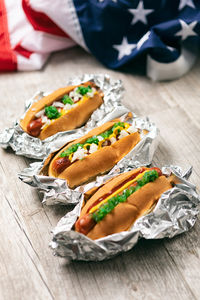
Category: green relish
[92,140]
[51,112]
[67,100]
[83,90]
[106,208]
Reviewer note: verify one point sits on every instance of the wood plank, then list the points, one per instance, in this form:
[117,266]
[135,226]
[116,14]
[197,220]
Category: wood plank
[21,271]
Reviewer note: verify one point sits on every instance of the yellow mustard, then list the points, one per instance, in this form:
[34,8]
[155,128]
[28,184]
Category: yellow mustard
[93,209]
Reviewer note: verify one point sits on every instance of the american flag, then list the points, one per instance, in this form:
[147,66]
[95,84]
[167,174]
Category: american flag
[162,33]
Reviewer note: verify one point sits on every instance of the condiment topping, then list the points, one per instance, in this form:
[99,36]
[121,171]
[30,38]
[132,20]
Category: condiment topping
[51,112]
[116,188]
[59,108]
[80,150]
[66,99]
[97,213]
[103,210]
[84,89]
[96,140]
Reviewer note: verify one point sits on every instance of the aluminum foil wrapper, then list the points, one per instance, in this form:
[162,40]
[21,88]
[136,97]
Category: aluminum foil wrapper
[56,191]
[26,145]
[175,213]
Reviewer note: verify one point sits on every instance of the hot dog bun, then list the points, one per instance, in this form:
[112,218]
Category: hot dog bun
[107,187]
[125,214]
[98,162]
[122,217]
[76,117]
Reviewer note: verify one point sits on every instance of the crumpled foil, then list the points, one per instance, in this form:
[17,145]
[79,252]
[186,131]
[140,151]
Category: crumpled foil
[26,145]
[175,213]
[56,191]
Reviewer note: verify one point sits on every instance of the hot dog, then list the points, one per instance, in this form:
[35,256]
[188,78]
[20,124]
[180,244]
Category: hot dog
[65,109]
[121,201]
[95,153]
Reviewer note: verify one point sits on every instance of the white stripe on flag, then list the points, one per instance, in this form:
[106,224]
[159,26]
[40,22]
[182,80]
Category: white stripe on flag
[63,14]
[42,42]
[18,24]
[38,42]
[169,71]
[34,62]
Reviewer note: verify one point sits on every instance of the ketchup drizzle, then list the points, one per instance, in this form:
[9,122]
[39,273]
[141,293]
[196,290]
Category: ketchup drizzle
[116,188]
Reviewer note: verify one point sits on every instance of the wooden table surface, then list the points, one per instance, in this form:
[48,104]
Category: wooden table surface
[158,269]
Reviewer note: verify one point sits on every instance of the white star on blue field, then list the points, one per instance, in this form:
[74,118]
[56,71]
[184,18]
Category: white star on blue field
[118,31]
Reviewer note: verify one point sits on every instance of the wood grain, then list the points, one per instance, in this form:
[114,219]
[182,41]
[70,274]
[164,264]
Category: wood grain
[163,269]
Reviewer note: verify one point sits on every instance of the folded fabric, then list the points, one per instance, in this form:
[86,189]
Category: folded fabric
[164,34]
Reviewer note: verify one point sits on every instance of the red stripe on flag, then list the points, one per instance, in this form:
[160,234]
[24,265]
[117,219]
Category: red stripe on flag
[40,21]
[22,51]
[8,59]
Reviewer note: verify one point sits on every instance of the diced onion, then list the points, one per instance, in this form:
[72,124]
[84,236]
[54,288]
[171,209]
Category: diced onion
[71,94]
[44,119]
[79,154]
[93,148]
[123,133]
[132,129]
[58,104]
[40,113]
[48,122]
[113,140]
[76,98]
[100,138]
[90,94]
[67,106]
